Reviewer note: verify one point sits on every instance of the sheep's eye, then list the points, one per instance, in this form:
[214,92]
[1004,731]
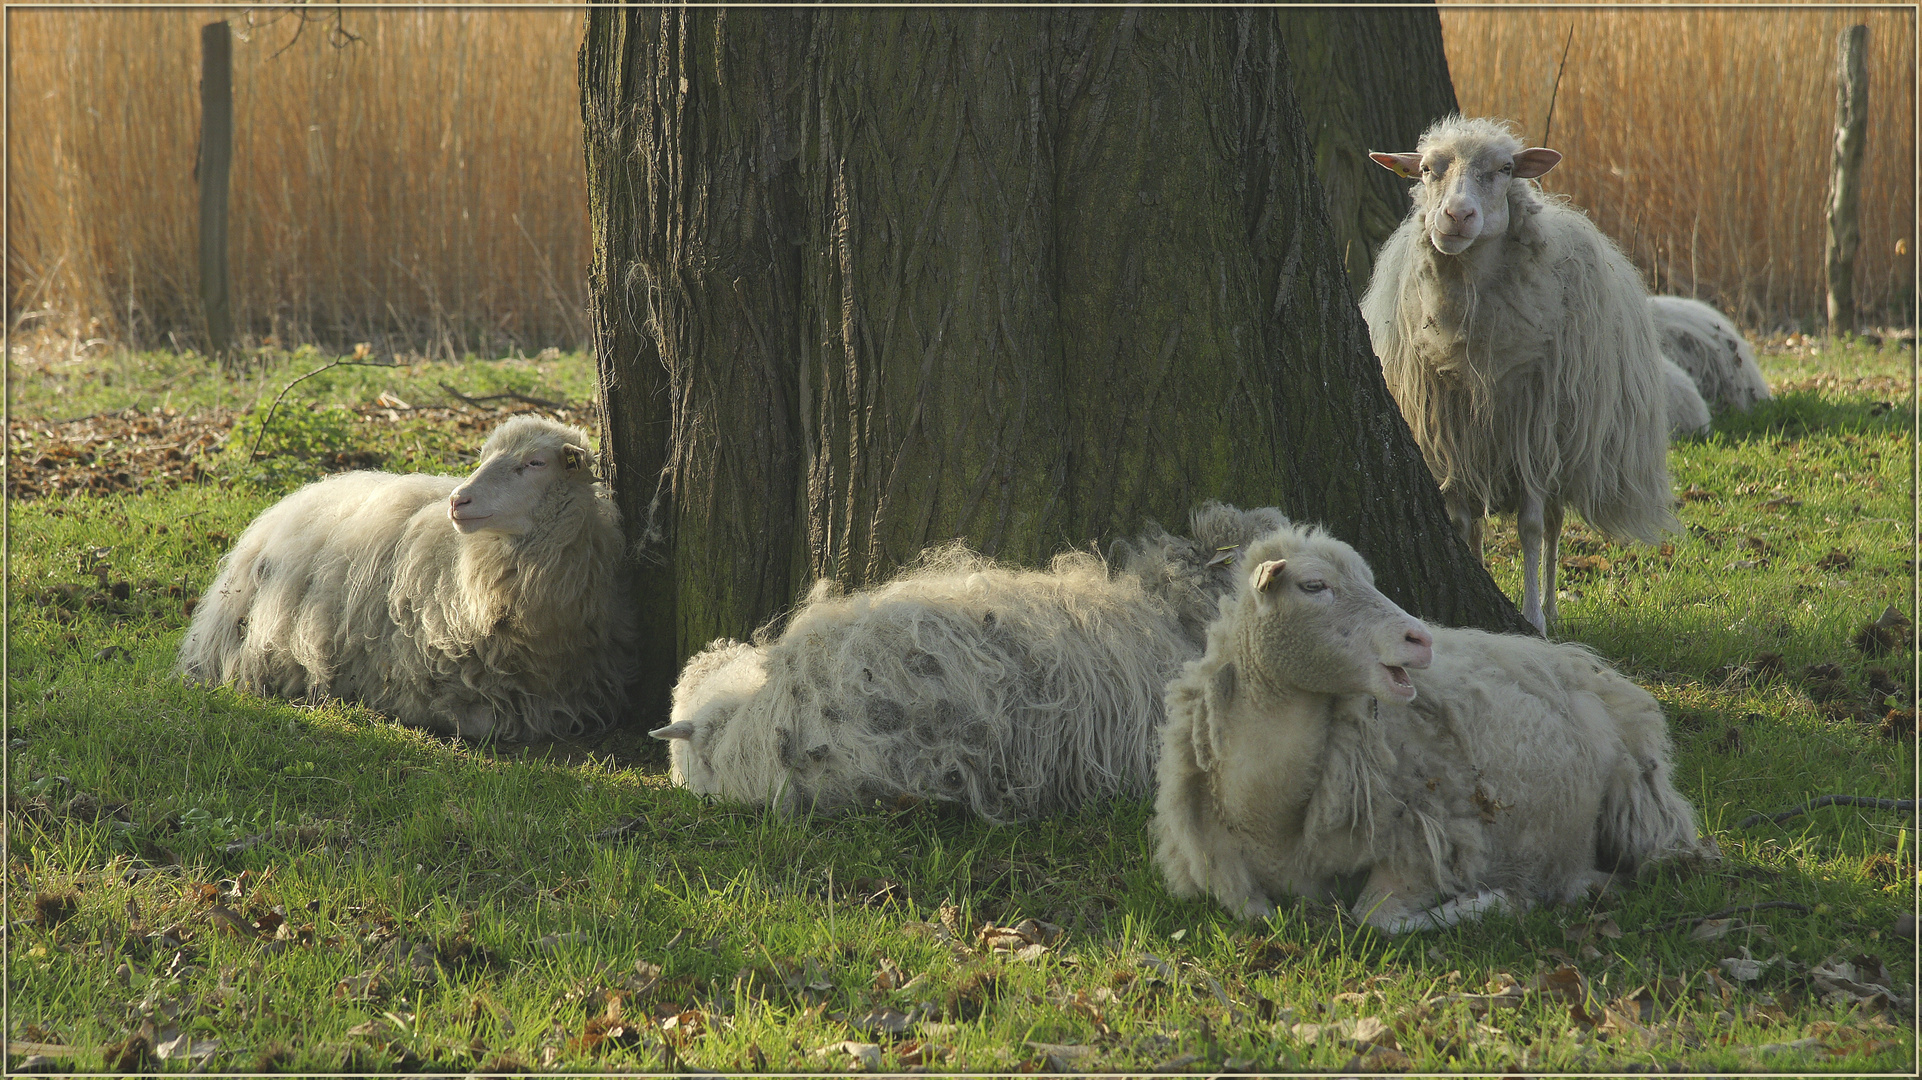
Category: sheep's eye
[536,463]
[1312,585]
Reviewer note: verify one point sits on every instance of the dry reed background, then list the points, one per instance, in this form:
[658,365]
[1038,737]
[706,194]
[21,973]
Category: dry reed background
[421,188]
[1701,140]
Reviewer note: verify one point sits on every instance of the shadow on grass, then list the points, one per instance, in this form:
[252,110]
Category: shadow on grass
[1805,412]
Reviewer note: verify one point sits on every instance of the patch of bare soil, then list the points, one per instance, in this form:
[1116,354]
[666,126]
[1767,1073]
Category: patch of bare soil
[108,453]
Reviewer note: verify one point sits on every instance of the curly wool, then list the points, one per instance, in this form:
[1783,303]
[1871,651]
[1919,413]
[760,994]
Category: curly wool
[359,587]
[1543,375]
[1011,692]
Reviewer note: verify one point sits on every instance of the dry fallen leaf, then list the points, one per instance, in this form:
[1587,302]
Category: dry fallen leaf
[925,1054]
[1744,967]
[866,1055]
[1059,1058]
[1379,1059]
[892,1023]
[186,1048]
[1371,1030]
[1844,982]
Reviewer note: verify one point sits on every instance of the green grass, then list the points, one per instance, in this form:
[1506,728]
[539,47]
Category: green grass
[309,889]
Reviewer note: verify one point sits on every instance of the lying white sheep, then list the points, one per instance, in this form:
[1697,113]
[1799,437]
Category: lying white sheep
[1687,412]
[1517,340]
[1327,746]
[1702,341]
[489,607]
[1011,692]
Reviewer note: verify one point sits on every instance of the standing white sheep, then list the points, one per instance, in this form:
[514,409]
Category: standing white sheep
[1705,344]
[1011,692]
[489,607]
[1327,746]
[1517,340]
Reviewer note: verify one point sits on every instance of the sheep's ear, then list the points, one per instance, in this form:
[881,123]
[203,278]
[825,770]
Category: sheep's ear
[679,729]
[575,457]
[1406,166]
[1267,574]
[1535,161]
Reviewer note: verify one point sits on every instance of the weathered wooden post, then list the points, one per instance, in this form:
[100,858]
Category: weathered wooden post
[211,170]
[1851,129]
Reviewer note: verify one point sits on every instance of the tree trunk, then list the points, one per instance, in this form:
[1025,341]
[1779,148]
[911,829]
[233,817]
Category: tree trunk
[870,280]
[1845,185]
[1366,79]
[211,172]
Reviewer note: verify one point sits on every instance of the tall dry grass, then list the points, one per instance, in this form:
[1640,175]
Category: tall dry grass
[420,187]
[1701,141]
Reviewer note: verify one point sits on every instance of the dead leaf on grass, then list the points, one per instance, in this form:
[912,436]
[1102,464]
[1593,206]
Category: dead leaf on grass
[1270,955]
[972,995]
[359,987]
[231,921]
[865,1055]
[882,1022]
[1890,632]
[1836,559]
[1021,939]
[552,942]
[919,1054]
[1595,926]
[1743,967]
[186,1048]
[1379,1059]
[889,976]
[1865,980]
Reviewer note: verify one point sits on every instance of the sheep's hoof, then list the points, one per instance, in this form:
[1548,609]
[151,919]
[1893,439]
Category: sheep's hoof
[1253,909]
[1465,908]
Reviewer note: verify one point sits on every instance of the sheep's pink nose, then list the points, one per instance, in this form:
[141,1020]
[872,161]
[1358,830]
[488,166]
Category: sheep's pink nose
[457,500]
[1421,647]
[1462,215]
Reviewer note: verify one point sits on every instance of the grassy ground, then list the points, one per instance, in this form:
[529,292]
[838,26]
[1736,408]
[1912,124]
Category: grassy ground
[196,876]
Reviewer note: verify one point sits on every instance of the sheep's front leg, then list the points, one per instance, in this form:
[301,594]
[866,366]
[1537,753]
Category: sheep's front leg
[1468,907]
[1551,544]
[1529,524]
[1468,523]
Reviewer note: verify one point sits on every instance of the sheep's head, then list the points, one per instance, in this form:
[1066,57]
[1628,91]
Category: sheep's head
[1311,619]
[714,686]
[523,463]
[1466,168]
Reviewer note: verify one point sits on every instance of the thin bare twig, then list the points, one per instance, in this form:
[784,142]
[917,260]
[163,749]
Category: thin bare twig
[1549,121]
[1725,913]
[1828,800]
[254,450]
[541,403]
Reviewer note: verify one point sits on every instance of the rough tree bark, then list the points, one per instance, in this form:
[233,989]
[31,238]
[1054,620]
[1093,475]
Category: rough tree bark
[1366,79]
[870,280]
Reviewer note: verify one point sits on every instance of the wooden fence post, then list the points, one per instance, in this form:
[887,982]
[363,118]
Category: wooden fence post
[1851,129]
[211,170]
